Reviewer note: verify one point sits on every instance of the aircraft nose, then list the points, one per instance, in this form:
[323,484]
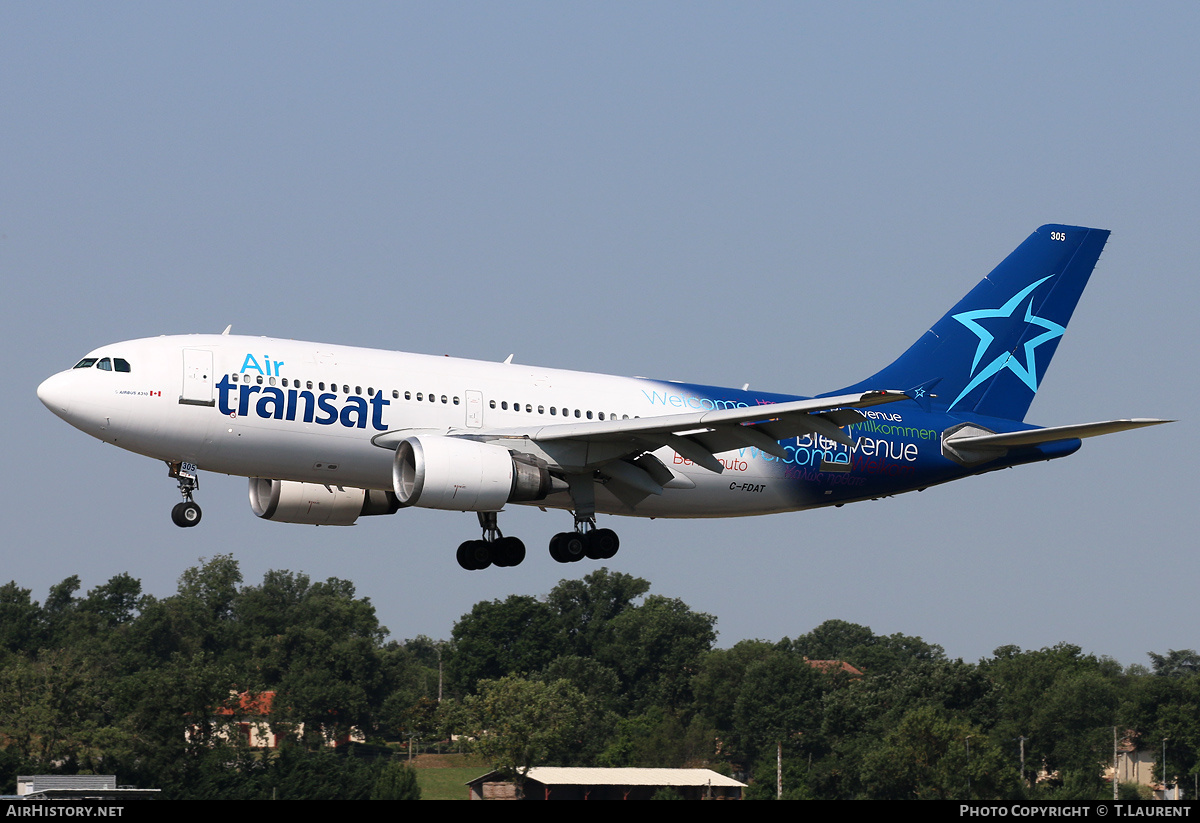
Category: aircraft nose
[54,395]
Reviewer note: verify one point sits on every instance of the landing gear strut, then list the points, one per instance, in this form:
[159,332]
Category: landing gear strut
[187,513]
[493,550]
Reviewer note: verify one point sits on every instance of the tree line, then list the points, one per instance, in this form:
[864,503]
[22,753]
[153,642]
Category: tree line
[599,672]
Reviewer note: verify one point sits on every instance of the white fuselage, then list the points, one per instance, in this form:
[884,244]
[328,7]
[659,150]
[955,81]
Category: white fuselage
[292,410]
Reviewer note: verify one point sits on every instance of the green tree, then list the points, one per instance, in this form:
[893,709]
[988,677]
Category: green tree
[587,607]
[780,701]
[925,758]
[396,782]
[1185,663]
[1066,703]
[518,724]
[519,635]
[20,619]
[862,648]
[656,649]
[660,738]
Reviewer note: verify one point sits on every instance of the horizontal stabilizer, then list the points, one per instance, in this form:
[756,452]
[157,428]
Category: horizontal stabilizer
[971,445]
[1036,436]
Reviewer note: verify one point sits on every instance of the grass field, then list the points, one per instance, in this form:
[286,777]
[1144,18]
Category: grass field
[444,777]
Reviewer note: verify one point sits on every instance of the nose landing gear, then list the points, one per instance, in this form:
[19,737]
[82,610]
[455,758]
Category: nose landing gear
[187,513]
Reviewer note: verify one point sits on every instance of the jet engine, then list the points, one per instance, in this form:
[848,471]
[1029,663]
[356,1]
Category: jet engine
[287,501]
[438,472]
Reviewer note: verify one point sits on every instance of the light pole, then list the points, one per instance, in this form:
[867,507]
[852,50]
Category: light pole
[969,767]
[1164,767]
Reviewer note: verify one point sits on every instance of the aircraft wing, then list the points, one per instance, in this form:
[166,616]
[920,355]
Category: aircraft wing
[620,448]
[701,435]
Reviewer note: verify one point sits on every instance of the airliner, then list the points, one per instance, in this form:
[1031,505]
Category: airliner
[327,434]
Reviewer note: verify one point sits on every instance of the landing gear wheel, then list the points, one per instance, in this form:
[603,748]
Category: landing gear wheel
[185,514]
[602,544]
[567,547]
[474,555]
[508,551]
[481,553]
[463,556]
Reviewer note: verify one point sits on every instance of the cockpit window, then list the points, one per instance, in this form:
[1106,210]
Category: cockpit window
[120,364]
[86,363]
[105,364]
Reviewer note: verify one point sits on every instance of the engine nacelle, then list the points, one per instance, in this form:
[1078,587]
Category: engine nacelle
[462,475]
[287,501]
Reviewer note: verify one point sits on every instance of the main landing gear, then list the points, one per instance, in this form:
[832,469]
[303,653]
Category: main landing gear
[566,547]
[187,513]
[493,550]
[586,541]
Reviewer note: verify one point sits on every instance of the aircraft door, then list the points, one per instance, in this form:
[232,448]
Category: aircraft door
[197,378]
[474,409]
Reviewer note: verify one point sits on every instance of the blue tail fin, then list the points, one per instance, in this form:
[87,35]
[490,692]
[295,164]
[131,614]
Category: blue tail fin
[989,352]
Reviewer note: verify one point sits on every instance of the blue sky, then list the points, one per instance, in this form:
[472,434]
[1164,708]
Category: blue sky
[775,193]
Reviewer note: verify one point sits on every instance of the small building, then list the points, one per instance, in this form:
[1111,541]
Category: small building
[77,787]
[247,719]
[566,783]
[830,666]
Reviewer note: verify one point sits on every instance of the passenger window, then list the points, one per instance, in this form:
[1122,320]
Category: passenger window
[308,385]
[271,380]
[420,396]
[601,415]
[444,399]
[456,401]
[529,408]
[395,394]
[491,404]
[541,409]
[104,365]
[408,395]
[345,389]
[589,414]
[86,363]
[504,405]
[552,411]
[120,365]
[235,378]
[357,390]
[259,380]
[577,412]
